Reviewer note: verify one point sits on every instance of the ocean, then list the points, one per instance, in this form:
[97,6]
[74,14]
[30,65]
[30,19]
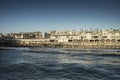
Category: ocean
[53,64]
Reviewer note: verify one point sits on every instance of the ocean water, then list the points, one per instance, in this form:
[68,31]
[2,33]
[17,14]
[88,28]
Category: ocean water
[19,64]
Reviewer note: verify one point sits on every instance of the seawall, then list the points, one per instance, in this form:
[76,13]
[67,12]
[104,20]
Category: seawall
[47,43]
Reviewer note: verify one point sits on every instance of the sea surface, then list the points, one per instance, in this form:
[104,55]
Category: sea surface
[25,64]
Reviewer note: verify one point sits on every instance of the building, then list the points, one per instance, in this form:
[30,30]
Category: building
[91,36]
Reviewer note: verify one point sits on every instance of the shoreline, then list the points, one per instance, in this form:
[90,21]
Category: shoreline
[65,50]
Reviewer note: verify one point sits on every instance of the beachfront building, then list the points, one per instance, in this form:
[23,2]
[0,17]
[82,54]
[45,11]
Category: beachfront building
[110,36]
[83,38]
[26,35]
[86,36]
[65,36]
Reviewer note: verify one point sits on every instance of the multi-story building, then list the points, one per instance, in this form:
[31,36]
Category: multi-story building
[101,35]
[69,36]
[25,35]
[64,36]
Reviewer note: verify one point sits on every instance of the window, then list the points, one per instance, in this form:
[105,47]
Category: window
[104,36]
[95,36]
[118,40]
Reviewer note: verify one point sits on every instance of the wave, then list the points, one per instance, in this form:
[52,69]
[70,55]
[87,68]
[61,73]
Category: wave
[110,55]
[84,51]
[54,71]
[14,48]
[60,66]
[65,50]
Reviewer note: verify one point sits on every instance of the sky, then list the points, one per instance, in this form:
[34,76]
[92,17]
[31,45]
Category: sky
[47,15]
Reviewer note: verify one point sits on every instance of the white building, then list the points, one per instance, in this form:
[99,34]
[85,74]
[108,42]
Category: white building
[65,36]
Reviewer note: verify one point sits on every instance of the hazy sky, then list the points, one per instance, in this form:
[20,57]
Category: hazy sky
[45,15]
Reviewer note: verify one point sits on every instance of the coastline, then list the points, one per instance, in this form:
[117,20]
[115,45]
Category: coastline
[81,45]
[65,50]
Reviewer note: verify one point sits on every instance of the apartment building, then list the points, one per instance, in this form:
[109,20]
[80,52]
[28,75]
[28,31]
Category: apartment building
[102,35]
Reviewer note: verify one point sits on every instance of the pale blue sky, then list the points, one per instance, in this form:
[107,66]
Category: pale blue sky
[46,15]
